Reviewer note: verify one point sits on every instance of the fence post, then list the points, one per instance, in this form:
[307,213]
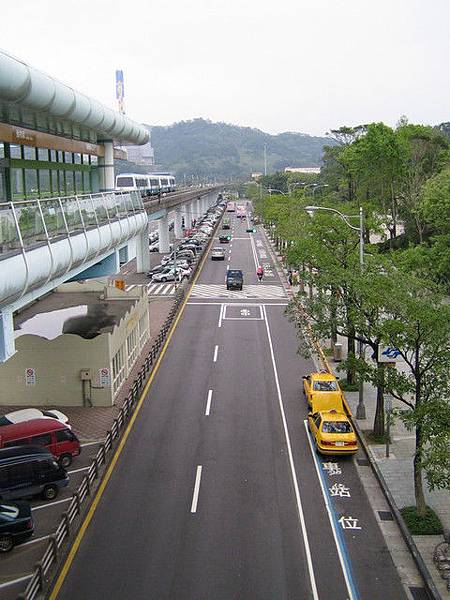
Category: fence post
[77,500]
[54,544]
[66,521]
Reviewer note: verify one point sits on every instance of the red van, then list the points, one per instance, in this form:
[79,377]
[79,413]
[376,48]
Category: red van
[50,433]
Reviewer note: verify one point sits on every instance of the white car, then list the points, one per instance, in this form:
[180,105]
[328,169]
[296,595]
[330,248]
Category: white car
[171,275]
[206,229]
[217,254]
[26,414]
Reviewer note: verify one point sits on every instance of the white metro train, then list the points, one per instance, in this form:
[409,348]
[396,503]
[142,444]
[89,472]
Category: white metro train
[149,185]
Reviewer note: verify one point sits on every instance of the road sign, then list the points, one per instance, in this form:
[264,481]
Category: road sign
[103,376]
[30,376]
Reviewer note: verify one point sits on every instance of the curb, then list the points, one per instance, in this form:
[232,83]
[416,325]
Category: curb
[430,587]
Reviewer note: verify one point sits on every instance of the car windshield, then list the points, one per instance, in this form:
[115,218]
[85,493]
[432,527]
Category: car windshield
[8,512]
[336,427]
[325,386]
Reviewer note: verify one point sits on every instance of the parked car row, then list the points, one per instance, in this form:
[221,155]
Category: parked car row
[178,265]
[36,448]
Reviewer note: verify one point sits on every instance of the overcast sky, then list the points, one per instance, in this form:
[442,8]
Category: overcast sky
[285,65]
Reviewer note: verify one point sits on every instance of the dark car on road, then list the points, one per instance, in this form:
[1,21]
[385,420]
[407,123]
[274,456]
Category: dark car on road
[235,279]
[16,524]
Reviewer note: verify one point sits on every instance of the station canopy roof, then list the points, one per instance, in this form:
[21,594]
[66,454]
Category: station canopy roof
[30,98]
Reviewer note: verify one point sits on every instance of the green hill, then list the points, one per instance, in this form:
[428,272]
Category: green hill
[200,147]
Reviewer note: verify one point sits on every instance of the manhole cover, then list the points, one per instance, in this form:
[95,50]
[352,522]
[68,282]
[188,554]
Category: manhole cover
[386,515]
[419,593]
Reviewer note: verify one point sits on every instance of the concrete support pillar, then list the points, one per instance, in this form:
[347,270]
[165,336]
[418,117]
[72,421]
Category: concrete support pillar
[106,168]
[188,215]
[177,228]
[7,346]
[163,232]
[143,252]
[198,209]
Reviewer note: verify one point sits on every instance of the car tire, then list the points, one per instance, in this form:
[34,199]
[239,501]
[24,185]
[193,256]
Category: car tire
[65,460]
[163,280]
[50,492]
[6,543]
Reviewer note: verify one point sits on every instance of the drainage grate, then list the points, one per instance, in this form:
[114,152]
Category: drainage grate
[362,462]
[419,593]
[386,515]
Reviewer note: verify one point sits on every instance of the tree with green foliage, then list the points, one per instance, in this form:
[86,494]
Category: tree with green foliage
[424,153]
[374,161]
[418,326]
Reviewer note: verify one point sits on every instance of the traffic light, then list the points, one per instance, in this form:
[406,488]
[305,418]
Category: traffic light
[228,237]
[250,230]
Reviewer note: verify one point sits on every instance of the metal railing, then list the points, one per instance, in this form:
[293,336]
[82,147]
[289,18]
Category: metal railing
[26,222]
[41,575]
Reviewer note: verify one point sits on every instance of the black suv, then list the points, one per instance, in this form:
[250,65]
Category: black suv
[235,279]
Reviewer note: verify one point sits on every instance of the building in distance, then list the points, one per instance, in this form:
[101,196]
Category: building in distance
[302,170]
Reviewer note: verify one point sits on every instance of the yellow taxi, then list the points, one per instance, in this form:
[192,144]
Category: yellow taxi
[332,432]
[322,392]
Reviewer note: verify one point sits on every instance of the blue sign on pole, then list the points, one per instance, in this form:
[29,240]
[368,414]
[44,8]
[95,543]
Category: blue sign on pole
[388,354]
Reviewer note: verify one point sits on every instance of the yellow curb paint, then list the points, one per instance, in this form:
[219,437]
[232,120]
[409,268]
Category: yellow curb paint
[65,569]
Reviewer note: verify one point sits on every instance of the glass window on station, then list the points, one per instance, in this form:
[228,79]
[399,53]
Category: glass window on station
[31,183]
[70,182]
[44,173]
[15,151]
[61,183]
[43,154]
[2,186]
[29,153]
[17,184]
[54,183]
[45,190]
[78,182]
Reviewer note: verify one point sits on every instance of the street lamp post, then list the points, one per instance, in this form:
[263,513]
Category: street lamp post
[270,190]
[316,187]
[360,409]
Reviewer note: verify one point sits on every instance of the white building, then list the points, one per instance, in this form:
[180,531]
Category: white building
[302,170]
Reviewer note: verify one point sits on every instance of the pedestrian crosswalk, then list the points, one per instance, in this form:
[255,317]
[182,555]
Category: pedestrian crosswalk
[155,289]
[205,290]
[261,292]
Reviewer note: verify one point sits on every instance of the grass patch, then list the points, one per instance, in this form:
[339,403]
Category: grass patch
[375,439]
[328,351]
[348,387]
[427,525]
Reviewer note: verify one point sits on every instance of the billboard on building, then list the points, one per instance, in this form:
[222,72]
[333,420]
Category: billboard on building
[120,91]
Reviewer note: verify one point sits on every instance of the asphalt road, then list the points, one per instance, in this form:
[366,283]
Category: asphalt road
[217,494]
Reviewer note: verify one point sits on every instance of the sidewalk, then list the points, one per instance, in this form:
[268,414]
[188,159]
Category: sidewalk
[397,470]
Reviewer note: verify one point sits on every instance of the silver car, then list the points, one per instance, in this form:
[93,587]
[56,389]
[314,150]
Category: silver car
[217,254]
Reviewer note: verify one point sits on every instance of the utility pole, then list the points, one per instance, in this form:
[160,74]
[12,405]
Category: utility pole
[265,159]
